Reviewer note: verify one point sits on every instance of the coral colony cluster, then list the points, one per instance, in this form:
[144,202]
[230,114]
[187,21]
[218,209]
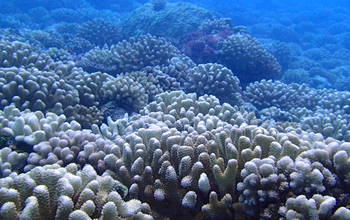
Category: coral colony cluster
[103,126]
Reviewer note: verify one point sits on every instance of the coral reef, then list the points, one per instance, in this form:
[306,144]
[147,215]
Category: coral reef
[174,21]
[20,54]
[283,52]
[329,124]
[211,27]
[34,89]
[168,112]
[202,45]
[100,32]
[33,127]
[248,59]
[214,79]
[181,156]
[52,192]
[127,56]
[267,93]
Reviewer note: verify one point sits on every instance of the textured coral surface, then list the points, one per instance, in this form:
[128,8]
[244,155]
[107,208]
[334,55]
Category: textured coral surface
[160,110]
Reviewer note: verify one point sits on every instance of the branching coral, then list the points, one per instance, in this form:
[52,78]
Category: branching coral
[182,156]
[132,90]
[267,93]
[172,74]
[215,26]
[66,89]
[20,54]
[329,124]
[52,192]
[178,155]
[248,59]
[34,89]
[131,55]
[33,127]
[62,90]
[214,79]
[11,161]
[100,32]
[197,159]
[174,21]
